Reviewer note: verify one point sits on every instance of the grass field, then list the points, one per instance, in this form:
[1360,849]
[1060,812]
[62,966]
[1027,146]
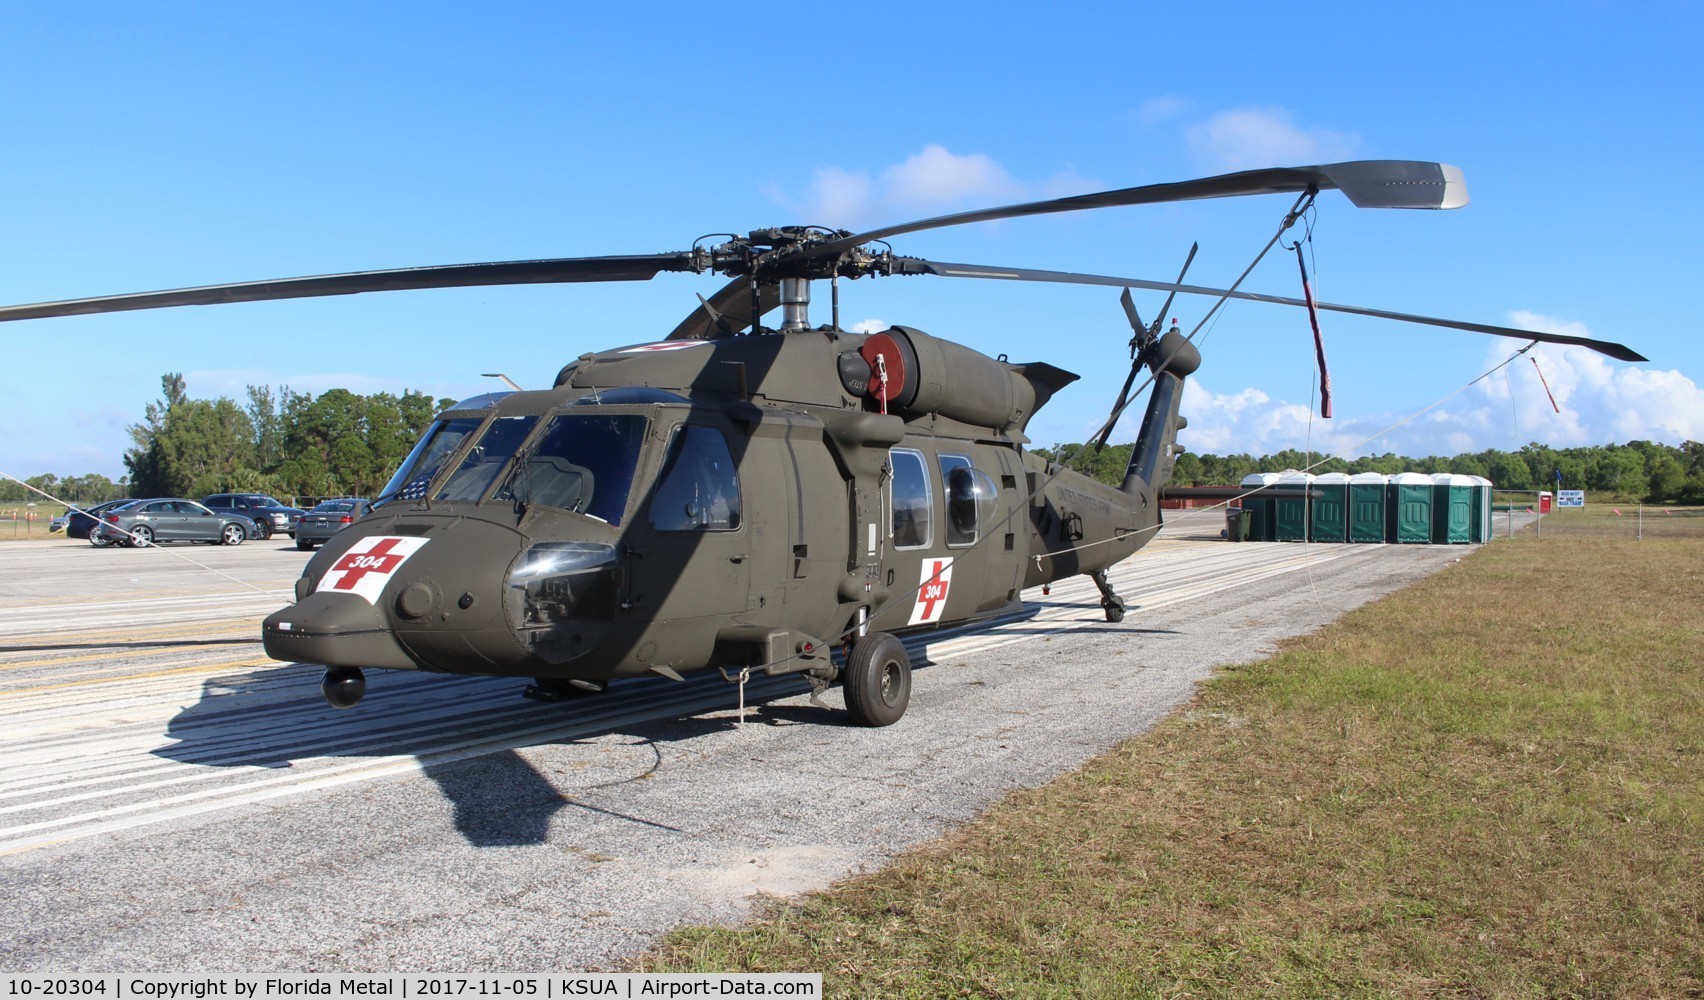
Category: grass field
[18,520]
[1490,784]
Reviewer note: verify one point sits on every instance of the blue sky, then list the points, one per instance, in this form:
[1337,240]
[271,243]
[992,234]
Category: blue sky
[160,146]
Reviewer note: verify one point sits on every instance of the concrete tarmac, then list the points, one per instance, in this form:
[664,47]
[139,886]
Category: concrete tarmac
[173,801]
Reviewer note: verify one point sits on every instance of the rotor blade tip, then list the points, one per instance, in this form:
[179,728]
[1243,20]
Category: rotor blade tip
[1455,187]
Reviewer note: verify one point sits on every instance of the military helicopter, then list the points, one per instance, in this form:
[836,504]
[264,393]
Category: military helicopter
[738,497]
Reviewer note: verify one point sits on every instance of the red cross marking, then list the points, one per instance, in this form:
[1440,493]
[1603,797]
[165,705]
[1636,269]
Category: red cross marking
[355,565]
[934,591]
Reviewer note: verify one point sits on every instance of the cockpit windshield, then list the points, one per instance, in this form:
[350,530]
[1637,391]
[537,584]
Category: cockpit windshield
[486,458]
[580,462]
[429,454]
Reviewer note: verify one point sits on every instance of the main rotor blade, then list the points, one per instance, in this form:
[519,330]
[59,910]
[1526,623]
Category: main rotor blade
[732,303]
[916,266]
[1367,183]
[514,272]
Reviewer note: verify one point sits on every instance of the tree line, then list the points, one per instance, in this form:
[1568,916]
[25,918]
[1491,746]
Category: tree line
[1638,470]
[338,443]
[341,443]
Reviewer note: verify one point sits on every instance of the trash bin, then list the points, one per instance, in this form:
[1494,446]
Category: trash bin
[1236,527]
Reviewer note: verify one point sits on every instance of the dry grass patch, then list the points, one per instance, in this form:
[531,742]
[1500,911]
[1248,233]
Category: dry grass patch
[1488,784]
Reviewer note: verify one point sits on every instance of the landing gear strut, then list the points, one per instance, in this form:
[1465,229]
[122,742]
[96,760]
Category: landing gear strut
[1110,601]
[343,686]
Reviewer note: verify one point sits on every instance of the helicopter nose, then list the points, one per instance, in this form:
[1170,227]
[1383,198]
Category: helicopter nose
[334,629]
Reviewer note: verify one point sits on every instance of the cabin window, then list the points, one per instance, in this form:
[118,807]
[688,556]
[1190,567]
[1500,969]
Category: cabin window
[970,500]
[911,502]
[487,458]
[580,463]
[697,489]
[429,454]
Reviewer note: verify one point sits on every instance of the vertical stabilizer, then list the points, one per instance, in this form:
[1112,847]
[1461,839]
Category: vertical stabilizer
[1173,359]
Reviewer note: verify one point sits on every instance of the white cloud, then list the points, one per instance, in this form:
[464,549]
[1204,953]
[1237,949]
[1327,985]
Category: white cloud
[1601,401]
[869,326]
[1244,138]
[934,179]
[1158,109]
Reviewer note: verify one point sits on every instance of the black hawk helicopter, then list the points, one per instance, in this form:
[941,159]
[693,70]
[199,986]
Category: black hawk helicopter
[737,496]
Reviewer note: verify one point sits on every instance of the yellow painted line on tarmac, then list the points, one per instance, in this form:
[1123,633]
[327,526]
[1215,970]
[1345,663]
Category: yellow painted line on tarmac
[121,634]
[100,599]
[202,668]
[111,654]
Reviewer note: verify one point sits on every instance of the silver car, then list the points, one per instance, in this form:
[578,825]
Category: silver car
[170,519]
[327,519]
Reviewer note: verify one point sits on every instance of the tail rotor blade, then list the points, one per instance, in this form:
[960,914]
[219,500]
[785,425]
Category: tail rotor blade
[1137,327]
[1165,310]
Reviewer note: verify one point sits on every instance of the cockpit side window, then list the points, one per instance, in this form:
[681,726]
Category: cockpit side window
[582,463]
[698,489]
[434,448]
[911,500]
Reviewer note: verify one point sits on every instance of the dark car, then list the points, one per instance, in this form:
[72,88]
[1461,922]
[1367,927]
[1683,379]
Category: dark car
[80,521]
[272,515]
[330,517]
[171,519]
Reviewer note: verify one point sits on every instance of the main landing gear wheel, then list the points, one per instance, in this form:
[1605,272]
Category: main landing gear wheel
[878,680]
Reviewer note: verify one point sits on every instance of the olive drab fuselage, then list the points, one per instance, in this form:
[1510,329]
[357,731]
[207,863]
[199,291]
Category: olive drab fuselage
[739,501]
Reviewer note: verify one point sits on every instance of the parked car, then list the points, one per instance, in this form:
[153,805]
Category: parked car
[327,519]
[272,515]
[59,523]
[171,519]
[80,521]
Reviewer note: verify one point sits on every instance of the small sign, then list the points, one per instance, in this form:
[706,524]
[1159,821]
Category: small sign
[1570,498]
[367,566]
[932,594]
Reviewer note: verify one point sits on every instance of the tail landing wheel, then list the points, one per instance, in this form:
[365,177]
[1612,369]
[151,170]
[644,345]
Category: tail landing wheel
[1111,603]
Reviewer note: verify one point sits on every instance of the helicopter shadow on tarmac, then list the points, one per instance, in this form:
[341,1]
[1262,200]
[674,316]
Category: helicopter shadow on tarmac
[468,735]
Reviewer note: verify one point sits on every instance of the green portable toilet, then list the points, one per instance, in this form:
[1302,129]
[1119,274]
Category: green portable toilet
[1408,508]
[1260,524]
[1331,508]
[1481,509]
[1367,506]
[1290,514]
[1452,509]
